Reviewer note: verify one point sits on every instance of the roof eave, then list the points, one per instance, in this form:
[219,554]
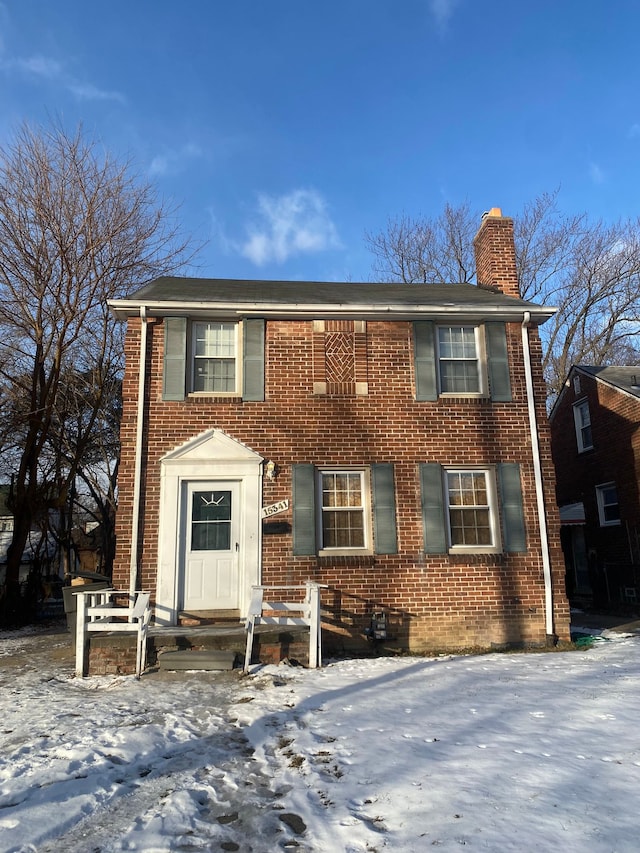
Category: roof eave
[124,308]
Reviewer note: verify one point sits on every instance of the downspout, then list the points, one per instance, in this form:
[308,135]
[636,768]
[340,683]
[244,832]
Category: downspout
[137,475]
[537,469]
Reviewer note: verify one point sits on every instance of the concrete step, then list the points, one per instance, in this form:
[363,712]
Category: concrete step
[197,659]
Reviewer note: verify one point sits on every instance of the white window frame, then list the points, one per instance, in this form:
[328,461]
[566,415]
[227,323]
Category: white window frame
[237,390]
[495,547]
[365,509]
[581,426]
[602,505]
[480,359]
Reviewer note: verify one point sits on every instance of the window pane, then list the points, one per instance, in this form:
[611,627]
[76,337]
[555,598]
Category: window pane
[211,521]
[215,357]
[458,360]
[341,489]
[608,502]
[469,511]
[342,510]
[342,529]
[457,342]
[459,377]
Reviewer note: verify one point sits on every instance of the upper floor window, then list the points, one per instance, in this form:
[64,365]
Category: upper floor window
[608,506]
[215,349]
[458,360]
[214,357]
[467,360]
[582,418]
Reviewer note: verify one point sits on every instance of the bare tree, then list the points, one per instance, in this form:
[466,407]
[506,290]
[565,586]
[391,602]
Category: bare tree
[589,270]
[77,227]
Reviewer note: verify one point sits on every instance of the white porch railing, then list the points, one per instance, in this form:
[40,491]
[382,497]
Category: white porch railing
[261,612]
[98,611]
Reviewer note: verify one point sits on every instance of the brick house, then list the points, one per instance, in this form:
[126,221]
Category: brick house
[389,441]
[596,451]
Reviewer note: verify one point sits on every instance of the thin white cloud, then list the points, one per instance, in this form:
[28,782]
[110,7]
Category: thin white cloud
[38,66]
[442,11]
[596,174]
[288,225]
[52,70]
[172,162]
[89,92]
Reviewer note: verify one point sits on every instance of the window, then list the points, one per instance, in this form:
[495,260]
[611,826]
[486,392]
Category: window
[461,512]
[211,521]
[608,507]
[467,360]
[458,361]
[582,420]
[213,357]
[344,511]
[470,502]
[343,504]
[215,369]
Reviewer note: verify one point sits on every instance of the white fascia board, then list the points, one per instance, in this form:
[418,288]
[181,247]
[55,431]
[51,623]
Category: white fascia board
[123,308]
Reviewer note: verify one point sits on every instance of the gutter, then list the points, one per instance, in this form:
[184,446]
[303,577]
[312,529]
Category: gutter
[537,468]
[370,311]
[137,476]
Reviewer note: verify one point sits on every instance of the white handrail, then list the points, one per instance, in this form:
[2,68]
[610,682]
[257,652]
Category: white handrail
[95,611]
[309,609]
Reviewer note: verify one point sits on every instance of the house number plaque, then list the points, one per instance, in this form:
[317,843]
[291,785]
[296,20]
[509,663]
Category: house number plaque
[274,509]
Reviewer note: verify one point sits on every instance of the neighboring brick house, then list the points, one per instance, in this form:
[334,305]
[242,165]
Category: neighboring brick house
[596,451]
[398,432]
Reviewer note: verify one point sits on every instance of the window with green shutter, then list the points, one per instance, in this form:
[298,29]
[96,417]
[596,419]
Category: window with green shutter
[461,360]
[344,510]
[214,358]
[459,509]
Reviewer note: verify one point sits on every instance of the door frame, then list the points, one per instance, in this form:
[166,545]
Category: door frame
[212,455]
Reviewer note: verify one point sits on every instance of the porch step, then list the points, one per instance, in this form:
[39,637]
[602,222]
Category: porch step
[208,617]
[200,659]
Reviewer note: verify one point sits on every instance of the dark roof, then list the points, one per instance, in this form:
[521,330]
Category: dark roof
[625,378]
[312,298]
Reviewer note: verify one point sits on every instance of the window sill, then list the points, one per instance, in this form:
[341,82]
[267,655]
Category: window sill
[326,560]
[471,550]
[212,396]
[346,552]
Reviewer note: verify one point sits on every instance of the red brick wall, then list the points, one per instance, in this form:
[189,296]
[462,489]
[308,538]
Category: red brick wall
[433,601]
[615,422]
[495,254]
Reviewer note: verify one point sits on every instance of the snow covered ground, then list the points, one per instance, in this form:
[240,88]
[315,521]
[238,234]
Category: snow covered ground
[501,752]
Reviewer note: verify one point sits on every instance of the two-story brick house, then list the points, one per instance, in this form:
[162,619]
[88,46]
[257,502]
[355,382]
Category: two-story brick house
[596,450]
[398,431]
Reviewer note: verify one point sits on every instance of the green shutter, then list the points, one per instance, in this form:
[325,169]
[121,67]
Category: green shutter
[433,518]
[384,509]
[515,539]
[425,360]
[304,510]
[175,358]
[253,360]
[498,362]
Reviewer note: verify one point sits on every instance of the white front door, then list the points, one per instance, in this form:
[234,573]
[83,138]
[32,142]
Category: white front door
[210,533]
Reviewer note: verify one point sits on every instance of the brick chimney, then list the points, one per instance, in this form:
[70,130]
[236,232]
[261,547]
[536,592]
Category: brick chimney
[496,253]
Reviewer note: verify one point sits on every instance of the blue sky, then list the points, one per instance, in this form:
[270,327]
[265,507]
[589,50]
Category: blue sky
[287,129]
